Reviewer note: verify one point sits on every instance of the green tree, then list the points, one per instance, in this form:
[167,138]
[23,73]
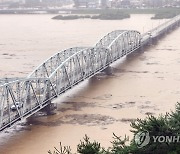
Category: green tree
[87,147]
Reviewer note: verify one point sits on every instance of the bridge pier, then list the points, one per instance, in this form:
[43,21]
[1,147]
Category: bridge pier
[50,106]
[141,48]
[155,40]
[49,109]
[108,70]
[150,42]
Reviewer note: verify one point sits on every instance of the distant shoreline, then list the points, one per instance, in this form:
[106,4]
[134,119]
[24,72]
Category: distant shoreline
[102,14]
[87,11]
[118,14]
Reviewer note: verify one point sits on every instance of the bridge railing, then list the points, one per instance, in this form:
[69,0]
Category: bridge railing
[160,29]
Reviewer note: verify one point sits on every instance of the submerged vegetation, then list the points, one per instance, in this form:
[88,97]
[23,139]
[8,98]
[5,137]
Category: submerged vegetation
[164,125]
[70,17]
[115,15]
[164,15]
[118,14]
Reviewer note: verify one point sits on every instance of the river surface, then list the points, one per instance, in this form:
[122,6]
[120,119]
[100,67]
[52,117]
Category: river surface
[144,83]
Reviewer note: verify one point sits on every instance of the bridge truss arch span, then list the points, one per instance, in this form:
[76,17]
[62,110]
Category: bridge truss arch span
[126,39]
[48,66]
[22,98]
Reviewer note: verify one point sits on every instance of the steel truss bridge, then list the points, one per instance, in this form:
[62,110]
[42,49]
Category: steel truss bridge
[21,98]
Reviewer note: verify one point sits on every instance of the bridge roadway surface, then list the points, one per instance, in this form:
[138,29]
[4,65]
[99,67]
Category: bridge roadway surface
[21,98]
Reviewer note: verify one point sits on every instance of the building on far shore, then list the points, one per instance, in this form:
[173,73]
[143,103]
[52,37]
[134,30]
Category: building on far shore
[86,3]
[93,3]
[9,4]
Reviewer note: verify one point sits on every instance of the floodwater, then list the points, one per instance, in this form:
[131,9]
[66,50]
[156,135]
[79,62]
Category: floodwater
[144,83]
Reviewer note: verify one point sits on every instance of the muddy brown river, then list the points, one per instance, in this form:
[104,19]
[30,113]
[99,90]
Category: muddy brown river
[144,83]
